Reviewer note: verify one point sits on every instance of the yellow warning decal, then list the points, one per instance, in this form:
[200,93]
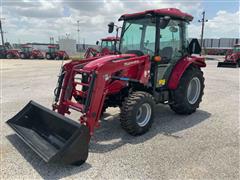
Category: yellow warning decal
[162,82]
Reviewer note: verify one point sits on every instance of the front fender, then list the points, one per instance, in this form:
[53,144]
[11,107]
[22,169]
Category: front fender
[181,67]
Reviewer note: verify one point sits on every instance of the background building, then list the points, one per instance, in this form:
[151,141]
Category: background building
[222,43]
[68,45]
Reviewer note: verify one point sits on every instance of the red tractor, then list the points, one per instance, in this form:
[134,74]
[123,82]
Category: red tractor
[6,53]
[232,59]
[108,46]
[54,53]
[156,65]
[27,52]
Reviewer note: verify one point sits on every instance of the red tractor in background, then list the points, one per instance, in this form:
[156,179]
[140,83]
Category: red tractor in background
[27,52]
[232,59]
[154,65]
[54,53]
[108,46]
[7,53]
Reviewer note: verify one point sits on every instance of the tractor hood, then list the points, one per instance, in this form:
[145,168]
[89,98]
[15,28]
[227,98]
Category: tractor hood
[12,50]
[102,60]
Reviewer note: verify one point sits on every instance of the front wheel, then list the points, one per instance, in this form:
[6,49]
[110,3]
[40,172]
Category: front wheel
[137,113]
[189,92]
[57,58]
[9,56]
[22,56]
[48,56]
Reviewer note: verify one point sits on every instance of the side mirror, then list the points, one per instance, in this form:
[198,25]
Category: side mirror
[173,29]
[110,27]
[97,42]
[194,47]
[164,22]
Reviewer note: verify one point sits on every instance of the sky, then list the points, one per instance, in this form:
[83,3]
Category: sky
[38,20]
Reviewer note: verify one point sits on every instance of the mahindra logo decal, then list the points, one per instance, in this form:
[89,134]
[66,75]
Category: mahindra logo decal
[131,62]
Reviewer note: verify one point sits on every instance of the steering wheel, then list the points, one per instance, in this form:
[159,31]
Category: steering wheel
[148,50]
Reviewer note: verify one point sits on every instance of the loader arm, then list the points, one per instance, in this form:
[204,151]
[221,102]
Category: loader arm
[101,78]
[100,89]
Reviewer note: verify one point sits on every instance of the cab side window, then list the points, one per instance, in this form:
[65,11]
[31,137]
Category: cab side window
[170,42]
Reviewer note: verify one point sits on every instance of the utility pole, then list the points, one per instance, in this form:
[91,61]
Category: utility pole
[1,31]
[51,40]
[84,46]
[203,20]
[78,33]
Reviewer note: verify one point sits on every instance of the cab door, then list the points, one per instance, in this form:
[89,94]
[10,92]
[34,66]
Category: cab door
[171,49]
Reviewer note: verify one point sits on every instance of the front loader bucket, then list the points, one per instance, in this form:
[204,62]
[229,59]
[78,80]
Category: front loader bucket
[54,137]
[227,64]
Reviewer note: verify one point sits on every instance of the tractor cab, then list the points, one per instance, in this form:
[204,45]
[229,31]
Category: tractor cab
[161,35]
[53,52]
[236,48]
[156,33]
[26,48]
[25,51]
[52,49]
[2,48]
[2,51]
[109,43]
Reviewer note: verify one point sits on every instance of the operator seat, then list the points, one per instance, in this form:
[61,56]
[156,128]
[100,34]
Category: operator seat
[166,54]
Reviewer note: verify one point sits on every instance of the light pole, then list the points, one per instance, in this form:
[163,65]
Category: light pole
[78,32]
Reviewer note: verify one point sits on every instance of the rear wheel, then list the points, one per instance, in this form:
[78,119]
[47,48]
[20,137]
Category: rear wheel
[137,113]
[78,163]
[189,92]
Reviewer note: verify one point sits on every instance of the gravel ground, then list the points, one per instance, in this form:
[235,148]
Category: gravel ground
[204,145]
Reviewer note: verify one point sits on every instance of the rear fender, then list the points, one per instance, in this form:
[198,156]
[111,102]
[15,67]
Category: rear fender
[181,67]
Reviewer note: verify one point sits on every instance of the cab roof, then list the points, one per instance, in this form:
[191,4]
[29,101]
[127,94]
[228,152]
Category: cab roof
[172,12]
[111,38]
[26,46]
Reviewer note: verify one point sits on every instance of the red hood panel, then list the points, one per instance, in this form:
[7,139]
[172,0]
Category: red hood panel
[102,60]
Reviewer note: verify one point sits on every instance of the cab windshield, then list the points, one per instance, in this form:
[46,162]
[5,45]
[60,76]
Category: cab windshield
[140,35]
[26,49]
[52,49]
[108,44]
[2,48]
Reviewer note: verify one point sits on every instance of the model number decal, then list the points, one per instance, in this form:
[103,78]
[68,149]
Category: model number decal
[131,62]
